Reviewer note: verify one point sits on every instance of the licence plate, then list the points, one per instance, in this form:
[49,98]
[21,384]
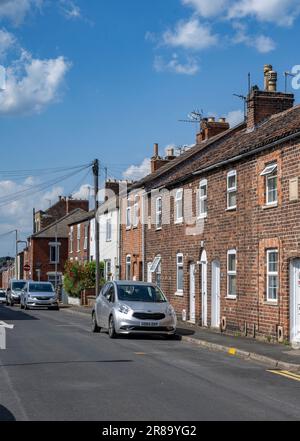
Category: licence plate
[149,324]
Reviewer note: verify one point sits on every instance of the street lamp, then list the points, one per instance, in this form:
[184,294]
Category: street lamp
[49,216]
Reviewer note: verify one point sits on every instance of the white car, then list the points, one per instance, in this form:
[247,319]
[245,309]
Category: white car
[39,294]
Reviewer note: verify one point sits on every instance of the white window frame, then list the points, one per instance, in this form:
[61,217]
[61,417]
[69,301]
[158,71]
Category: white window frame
[128,262]
[231,273]
[270,172]
[56,247]
[179,265]
[202,199]
[128,214]
[158,213]
[78,237]
[108,230]
[86,237]
[135,211]
[71,239]
[231,190]
[272,274]
[179,206]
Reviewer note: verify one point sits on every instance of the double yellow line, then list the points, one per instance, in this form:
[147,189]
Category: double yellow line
[286,374]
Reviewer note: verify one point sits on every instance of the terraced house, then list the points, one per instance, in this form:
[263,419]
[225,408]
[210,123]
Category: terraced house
[223,236]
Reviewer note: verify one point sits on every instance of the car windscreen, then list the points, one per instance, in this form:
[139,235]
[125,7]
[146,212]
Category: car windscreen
[40,287]
[140,293]
[2,293]
[18,286]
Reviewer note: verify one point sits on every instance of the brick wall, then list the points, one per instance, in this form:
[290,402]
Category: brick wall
[81,254]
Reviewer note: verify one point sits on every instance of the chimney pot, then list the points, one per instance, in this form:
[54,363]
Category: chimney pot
[211,119]
[222,120]
[272,81]
[156,150]
[267,68]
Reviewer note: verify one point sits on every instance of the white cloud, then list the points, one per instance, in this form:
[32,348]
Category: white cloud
[70,9]
[281,12]
[264,44]
[191,67]
[85,192]
[190,34]
[136,172]
[261,43]
[7,42]
[16,10]
[235,117]
[32,84]
[207,8]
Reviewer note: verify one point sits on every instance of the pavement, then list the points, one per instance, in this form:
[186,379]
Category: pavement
[275,356]
[55,369]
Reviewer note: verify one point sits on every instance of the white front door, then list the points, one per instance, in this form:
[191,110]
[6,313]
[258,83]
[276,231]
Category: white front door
[192,294]
[204,287]
[215,295]
[295,301]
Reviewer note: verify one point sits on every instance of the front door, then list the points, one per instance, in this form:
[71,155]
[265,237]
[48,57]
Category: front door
[295,301]
[204,288]
[215,295]
[192,294]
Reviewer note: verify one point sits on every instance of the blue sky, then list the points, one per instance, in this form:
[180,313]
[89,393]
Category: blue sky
[98,79]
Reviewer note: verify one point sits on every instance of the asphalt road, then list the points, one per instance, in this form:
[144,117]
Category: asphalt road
[54,368]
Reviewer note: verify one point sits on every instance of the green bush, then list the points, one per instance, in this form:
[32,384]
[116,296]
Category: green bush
[78,277]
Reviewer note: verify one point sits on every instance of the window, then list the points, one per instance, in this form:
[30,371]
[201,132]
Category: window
[203,198]
[272,276]
[86,234]
[179,206]
[71,239]
[78,236]
[158,275]
[158,213]
[231,190]
[231,274]
[128,267]
[107,269]
[108,230]
[179,263]
[128,214]
[270,174]
[54,253]
[136,211]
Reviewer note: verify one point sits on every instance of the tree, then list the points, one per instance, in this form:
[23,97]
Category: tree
[78,277]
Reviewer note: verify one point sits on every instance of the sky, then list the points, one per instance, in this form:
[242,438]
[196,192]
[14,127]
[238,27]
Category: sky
[90,79]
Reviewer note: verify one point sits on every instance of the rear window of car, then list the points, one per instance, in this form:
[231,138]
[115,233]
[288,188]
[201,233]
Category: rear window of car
[2,293]
[140,293]
[18,286]
[41,287]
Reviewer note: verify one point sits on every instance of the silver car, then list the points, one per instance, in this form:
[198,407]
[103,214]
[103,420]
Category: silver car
[39,294]
[133,308]
[13,292]
[2,296]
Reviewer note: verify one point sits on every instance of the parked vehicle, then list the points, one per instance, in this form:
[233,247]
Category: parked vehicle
[2,296]
[13,292]
[39,294]
[132,308]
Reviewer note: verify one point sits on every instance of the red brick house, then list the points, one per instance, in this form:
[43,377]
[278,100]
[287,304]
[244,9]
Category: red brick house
[79,238]
[44,255]
[229,254]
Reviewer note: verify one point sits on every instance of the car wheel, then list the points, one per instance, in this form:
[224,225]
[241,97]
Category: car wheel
[111,328]
[95,327]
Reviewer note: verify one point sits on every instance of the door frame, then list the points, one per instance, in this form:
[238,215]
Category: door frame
[215,293]
[293,304]
[204,302]
[192,303]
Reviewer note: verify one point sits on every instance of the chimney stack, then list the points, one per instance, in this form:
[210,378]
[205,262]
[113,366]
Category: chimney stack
[262,104]
[157,161]
[210,127]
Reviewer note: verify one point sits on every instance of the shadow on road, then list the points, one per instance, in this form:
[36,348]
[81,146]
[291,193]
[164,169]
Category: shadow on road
[12,314]
[64,362]
[6,415]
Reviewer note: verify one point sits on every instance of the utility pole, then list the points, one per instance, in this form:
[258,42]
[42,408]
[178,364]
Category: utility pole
[16,259]
[97,234]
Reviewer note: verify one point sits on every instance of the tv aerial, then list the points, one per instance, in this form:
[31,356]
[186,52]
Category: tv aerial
[193,117]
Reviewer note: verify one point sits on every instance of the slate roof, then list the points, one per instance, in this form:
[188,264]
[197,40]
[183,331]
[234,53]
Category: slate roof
[62,226]
[225,146]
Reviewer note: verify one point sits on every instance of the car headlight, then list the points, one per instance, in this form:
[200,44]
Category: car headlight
[124,309]
[170,310]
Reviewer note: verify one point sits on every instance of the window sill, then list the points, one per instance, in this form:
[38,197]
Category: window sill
[271,302]
[202,216]
[267,207]
[231,298]
[159,229]
[178,222]
[128,228]
[179,293]
[231,209]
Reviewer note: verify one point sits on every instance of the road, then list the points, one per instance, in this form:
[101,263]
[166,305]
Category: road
[55,369]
